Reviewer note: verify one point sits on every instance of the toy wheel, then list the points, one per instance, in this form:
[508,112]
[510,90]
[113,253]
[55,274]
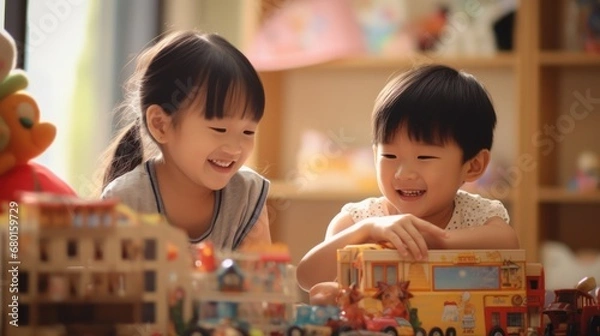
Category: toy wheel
[345,328]
[594,326]
[390,331]
[197,331]
[295,331]
[497,331]
[420,332]
[571,330]
[436,332]
[451,332]
[549,331]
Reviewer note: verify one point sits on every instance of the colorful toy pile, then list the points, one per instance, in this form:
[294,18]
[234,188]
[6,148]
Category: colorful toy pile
[96,268]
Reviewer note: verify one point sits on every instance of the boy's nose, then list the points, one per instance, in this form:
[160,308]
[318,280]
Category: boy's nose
[405,173]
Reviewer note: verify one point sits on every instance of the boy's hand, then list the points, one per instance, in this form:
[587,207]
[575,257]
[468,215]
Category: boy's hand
[406,232]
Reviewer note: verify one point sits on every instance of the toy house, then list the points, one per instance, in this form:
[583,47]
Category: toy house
[91,267]
[250,290]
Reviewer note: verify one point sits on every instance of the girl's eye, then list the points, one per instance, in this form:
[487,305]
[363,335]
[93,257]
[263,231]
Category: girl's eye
[389,156]
[426,157]
[249,132]
[218,129]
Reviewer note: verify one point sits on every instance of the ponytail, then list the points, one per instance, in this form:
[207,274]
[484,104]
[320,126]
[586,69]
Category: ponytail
[128,153]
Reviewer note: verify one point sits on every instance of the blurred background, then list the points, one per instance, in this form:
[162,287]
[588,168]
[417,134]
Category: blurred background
[322,63]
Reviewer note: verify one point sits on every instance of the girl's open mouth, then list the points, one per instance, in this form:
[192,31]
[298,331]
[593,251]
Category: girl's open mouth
[221,164]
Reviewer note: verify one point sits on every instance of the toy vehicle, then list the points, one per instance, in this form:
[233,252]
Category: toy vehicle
[574,311]
[314,320]
[390,326]
[454,292]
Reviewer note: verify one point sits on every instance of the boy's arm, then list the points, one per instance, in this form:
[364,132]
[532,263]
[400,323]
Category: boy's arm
[405,232]
[495,234]
[319,264]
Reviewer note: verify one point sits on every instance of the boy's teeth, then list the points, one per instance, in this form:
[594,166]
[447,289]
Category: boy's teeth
[223,164]
[412,192]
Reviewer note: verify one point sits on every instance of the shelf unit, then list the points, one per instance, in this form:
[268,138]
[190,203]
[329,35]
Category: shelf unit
[558,80]
[537,73]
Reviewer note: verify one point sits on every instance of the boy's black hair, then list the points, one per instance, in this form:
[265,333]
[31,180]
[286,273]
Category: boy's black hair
[436,104]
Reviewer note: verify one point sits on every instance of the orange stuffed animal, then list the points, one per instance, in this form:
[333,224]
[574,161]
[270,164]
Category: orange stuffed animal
[22,135]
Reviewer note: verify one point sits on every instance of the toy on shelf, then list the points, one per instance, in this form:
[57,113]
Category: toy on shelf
[321,165]
[22,135]
[587,176]
[303,33]
[590,15]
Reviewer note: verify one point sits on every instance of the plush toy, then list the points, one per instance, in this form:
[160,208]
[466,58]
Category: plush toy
[22,135]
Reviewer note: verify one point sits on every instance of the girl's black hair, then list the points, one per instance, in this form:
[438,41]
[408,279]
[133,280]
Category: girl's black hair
[171,74]
[436,104]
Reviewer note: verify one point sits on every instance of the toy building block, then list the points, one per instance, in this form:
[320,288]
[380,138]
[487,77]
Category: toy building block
[93,266]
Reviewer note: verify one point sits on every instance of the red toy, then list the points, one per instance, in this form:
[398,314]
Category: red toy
[22,135]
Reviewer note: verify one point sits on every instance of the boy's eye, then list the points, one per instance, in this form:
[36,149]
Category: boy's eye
[426,157]
[389,156]
[218,129]
[249,132]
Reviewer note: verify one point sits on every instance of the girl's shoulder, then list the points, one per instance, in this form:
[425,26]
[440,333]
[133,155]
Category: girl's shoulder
[247,178]
[367,208]
[135,190]
[124,186]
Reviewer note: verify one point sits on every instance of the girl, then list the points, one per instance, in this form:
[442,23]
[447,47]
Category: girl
[198,100]
[432,131]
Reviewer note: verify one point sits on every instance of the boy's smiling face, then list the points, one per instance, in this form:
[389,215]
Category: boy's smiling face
[419,178]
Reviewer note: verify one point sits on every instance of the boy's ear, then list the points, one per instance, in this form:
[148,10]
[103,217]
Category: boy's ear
[158,123]
[475,167]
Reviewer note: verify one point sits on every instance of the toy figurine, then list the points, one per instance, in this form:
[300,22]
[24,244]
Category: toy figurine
[590,12]
[587,176]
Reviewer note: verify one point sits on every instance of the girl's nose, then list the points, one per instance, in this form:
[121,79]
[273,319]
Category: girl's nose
[232,148]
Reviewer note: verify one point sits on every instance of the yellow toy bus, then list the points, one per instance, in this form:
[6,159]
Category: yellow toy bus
[453,292]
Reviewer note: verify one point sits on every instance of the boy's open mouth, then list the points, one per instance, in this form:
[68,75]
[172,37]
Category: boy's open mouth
[410,193]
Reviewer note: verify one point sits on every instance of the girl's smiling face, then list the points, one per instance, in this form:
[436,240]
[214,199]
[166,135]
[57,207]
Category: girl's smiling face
[419,178]
[209,152]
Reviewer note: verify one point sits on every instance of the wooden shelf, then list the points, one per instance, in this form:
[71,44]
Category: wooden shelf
[501,60]
[568,58]
[288,190]
[291,191]
[561,195]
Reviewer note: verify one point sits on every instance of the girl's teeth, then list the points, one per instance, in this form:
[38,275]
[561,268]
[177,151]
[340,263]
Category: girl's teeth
[223,164]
